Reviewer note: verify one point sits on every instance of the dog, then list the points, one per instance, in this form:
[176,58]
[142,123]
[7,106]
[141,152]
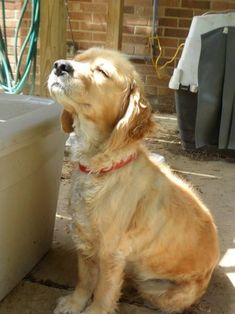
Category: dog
[132,217]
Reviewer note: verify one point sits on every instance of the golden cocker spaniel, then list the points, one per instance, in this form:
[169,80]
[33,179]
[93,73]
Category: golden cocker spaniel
[131,216]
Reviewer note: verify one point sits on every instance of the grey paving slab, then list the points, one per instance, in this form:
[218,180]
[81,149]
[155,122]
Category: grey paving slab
[30,298]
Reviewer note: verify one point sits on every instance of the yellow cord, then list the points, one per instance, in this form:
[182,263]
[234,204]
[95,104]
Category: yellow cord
[155,62]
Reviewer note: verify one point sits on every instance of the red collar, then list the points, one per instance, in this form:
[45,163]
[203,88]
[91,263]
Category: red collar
[114,166]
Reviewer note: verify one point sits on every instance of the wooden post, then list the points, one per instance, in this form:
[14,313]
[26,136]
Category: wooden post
[52,38]
[114,24]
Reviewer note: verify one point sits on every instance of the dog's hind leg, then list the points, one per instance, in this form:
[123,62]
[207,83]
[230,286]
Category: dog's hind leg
[169,296]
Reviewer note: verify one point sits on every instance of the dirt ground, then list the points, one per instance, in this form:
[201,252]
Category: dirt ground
[212,176]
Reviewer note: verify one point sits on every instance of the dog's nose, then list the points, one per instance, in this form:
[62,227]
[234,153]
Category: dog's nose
[63,66]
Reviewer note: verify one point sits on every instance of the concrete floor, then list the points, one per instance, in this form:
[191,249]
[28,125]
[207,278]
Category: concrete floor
[214,179]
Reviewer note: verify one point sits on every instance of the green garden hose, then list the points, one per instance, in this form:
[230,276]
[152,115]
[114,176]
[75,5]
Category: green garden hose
[10,82]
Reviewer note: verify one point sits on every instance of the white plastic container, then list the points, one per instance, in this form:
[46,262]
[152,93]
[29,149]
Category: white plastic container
[31,156]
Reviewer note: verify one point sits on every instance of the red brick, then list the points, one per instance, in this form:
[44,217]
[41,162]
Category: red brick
[223,5]
[11,22]
[92,26]
[196,4]
[128,10]
[185,23]
[82,35]
[135,39]
[197,12]
[142,50]
[128,29]
[74,25]
[99,36]
[10,5]
[215,5]
[139,2]
[179,12]
[11,32]
[10,14]
[173,22]
[80,16]
[169,3]
[133,20]
[231,4]
[176,32]
[168,42]
[99,18]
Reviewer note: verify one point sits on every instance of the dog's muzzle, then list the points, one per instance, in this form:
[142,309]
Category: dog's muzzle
[63,67]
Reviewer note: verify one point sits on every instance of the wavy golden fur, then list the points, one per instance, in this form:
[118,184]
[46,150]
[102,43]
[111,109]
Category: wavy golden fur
[139,221]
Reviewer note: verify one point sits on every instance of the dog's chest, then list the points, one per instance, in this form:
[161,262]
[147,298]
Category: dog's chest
[83,202]
[98,202]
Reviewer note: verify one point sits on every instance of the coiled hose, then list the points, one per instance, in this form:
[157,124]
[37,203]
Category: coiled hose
[10,82]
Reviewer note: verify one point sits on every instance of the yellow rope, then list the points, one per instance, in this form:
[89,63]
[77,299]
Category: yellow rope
[155,62]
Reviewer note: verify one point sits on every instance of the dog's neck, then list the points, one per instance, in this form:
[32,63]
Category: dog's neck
[91,149]
[90,139]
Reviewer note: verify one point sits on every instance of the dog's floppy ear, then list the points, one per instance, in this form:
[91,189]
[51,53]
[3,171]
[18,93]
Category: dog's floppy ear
[66,121]
[136,121]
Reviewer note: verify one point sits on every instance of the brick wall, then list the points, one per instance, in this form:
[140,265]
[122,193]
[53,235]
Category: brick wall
[88,24]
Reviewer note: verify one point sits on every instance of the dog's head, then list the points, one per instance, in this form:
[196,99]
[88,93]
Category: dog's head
[101,87]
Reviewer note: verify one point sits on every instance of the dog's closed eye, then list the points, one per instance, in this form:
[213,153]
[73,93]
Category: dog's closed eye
[103,71]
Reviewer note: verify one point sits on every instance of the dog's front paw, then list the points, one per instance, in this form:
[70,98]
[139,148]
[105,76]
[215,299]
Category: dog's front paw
[68,305]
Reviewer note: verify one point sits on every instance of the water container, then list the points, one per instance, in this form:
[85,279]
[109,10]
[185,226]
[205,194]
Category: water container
[31,156]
